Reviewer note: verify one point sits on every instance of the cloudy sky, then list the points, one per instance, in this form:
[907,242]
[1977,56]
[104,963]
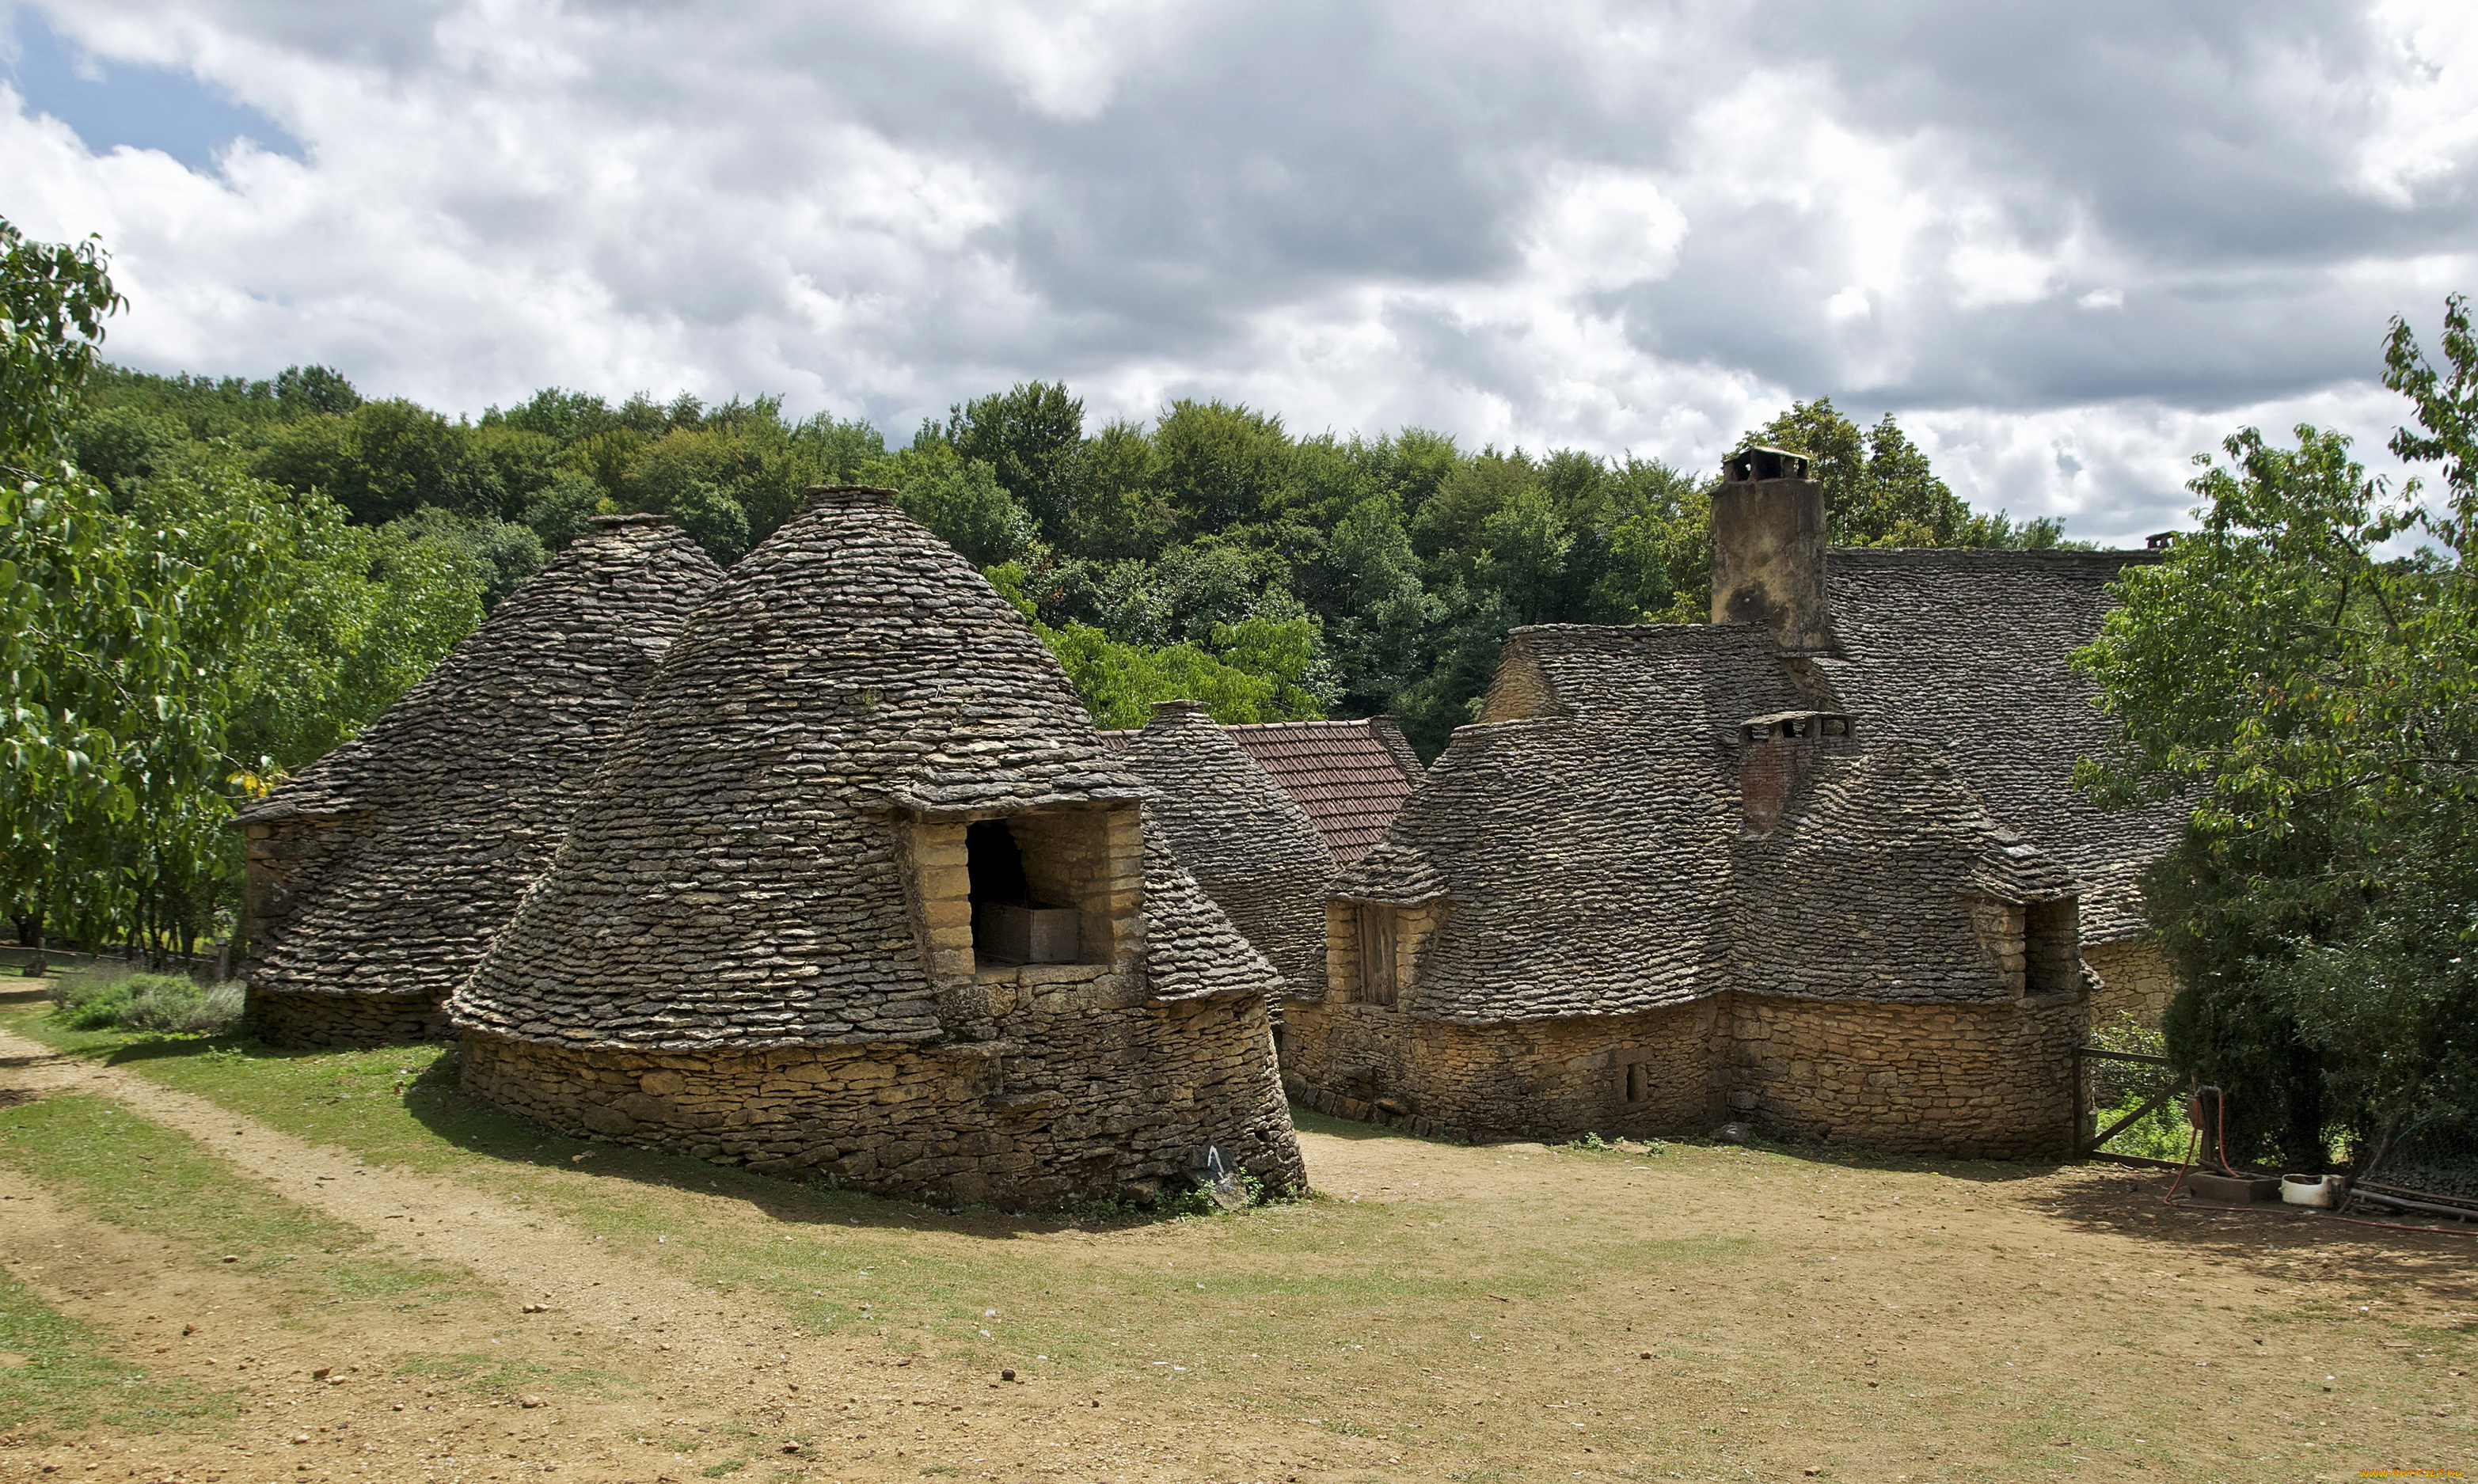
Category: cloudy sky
[2067,244]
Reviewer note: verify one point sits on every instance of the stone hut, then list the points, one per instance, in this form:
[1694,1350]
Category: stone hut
[1248,843]
[859,892]
[377,876]
[1817,862]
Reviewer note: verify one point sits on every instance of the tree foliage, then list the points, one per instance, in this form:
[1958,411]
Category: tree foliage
[2313,695]
[174,631]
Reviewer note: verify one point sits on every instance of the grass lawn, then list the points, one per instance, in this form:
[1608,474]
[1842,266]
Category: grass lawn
[1508,1312]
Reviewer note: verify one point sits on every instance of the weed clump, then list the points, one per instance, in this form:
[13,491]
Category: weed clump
[164,1004]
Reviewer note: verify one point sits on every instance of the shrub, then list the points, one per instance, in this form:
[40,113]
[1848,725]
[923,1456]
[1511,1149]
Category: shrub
[165,1004]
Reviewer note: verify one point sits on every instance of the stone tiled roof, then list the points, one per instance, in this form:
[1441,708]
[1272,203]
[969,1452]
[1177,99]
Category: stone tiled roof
[1967,650]
[738,877]
[1247,843]
[1586,837]
[1581,831]
[457,796]
[1351,776]
[1853,895]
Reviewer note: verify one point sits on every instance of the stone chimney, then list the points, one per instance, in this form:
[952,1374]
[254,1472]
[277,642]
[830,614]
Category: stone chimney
[1768,548]
[1774,755]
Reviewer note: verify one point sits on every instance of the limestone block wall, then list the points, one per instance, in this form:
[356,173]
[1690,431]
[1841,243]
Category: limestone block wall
[1990,1080]
[1640,1074]
[1087,1093]
[2136,979]
[1985,1081]
[314,1021]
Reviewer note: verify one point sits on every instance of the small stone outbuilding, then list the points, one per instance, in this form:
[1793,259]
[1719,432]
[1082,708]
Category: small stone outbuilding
[1970,652]
[1248,843]
[379,875]
[860,893]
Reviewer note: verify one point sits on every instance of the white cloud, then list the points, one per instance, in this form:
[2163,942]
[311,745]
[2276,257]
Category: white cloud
[1618,227]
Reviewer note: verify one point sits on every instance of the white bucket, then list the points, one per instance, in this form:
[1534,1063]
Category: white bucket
[2310,1190]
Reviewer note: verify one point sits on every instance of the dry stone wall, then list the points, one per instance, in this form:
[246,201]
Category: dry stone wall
[1975,1081]
[1094,1094]
[2136,979]
[1644,1074]
[1993,1080]
[340,1022]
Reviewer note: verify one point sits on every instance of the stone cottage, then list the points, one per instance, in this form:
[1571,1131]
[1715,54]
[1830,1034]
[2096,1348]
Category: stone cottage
[1248,843]
[377,876]
[1675,874]
[859,892]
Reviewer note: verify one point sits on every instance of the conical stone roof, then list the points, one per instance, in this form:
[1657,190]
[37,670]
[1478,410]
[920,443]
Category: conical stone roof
[434,820]
[1247,843]
[739,880]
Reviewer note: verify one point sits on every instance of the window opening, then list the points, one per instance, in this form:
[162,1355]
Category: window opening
[1376,953]
[995,863]
[1009,927]
[2051,947]
[1638,1081]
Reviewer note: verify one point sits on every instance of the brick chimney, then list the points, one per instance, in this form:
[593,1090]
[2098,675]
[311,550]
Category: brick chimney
[1768,548]
[1774,755]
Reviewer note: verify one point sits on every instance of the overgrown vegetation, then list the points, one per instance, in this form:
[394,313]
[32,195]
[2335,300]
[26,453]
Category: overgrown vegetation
[114,997]
[2313,694]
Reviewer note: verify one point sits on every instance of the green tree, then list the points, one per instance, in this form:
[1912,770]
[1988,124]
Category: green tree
[386,460]
[1221,464]
[1032,436]
[2314,700]
[959,499]
[1879,489]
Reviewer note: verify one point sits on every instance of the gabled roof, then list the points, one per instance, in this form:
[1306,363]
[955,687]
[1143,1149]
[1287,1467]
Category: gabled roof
[1350,776]
[739,877]
[1969,651]
[466,784]
[1586,840]
[1246,842]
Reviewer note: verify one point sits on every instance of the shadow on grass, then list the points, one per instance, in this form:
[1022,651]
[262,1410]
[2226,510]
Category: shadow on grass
[434,1102]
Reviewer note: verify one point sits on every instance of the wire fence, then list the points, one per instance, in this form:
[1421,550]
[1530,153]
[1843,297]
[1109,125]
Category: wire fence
[2436,1161]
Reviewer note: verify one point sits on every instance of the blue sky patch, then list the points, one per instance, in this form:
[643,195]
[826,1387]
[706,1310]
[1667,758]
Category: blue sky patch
[114,103]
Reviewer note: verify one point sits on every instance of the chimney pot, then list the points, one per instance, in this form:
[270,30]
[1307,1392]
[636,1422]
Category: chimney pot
[1768,548]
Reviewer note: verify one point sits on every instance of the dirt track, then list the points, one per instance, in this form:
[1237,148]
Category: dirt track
[1865,1323]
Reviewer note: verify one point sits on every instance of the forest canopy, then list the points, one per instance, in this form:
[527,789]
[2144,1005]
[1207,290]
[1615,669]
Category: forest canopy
[212,581]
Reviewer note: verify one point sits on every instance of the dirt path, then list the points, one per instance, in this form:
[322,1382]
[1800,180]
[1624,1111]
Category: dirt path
[535,1259]
[1713,1313]
[704,1366]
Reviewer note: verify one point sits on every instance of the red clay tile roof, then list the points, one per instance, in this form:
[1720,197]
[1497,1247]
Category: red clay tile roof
[1351,776]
